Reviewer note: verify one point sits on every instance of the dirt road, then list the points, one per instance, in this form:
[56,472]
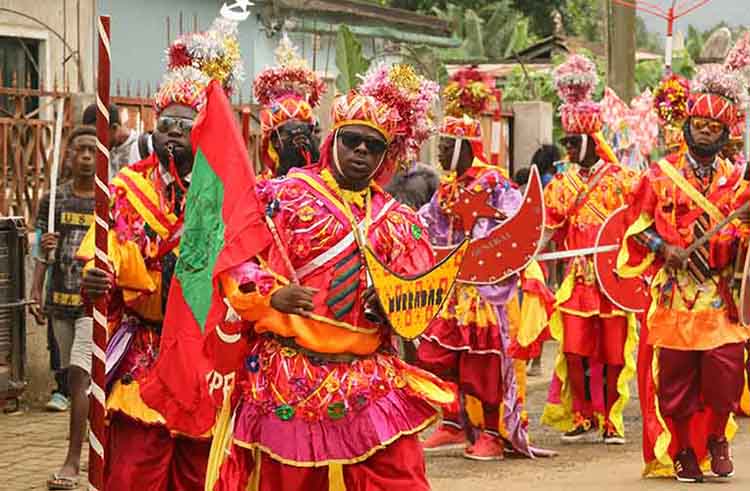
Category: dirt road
[33,444]
[578,467]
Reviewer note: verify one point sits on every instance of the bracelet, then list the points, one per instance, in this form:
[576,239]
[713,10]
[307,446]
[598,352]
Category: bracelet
[655,243]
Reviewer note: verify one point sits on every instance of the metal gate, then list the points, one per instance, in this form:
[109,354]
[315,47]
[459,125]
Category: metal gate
[26,128]
[12,308]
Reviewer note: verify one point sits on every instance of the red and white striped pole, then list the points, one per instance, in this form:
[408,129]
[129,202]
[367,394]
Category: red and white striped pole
[97,437]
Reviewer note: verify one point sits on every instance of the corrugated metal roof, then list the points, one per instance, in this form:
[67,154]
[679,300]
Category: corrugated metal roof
[360,13]
[380,32]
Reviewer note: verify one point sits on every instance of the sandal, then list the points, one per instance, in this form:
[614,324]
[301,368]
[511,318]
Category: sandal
[58,482]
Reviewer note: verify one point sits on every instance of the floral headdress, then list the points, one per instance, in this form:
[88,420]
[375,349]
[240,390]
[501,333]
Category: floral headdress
[716,94]
[467,93]
[410,97]
[288,91]
[194,59]
[671,100]
[575,81]
[739,56]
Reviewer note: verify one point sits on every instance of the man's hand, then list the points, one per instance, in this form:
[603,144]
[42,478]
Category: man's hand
[675,258]
[36,308]
[294,299]
[744,216]
[96,283]
[372,303]
[49,242]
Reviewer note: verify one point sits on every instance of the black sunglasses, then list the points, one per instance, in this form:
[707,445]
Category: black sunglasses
[165,123]
[375,146]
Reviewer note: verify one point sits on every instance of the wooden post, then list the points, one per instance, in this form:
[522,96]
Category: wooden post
[97,437]
[621,50]
[496,136]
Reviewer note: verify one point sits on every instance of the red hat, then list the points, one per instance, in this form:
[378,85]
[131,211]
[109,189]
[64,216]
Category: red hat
[287,92]
[716,94]
[197,58]
[575,81]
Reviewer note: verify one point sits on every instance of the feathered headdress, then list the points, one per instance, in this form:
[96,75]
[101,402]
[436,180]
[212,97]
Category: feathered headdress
[575,81]
[467,93]
[716,94]
[194,59]
[410,98]
[288,91]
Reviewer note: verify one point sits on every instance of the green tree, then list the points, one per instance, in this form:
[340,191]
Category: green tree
[494,32]
[646,40]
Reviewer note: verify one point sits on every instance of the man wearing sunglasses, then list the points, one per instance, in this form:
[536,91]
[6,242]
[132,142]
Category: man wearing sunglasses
[289,94]
[326,401]
[595,364]
[148,201]
[692,374]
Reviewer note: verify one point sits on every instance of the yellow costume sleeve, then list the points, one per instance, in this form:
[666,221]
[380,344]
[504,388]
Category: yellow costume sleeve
[533,309]
[624,268]
[128,264]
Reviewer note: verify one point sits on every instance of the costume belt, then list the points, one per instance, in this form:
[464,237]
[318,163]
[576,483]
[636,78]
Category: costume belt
[318,358]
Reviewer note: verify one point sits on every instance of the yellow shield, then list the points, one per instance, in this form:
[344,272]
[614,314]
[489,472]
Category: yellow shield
[411,303]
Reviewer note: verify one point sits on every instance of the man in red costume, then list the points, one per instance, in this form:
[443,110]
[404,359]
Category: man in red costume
[597,339]
[691,354]
[289,93]
[322,402]
[148,200]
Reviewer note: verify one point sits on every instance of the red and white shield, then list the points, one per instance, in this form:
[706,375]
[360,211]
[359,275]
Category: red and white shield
[510,246]
[630,294]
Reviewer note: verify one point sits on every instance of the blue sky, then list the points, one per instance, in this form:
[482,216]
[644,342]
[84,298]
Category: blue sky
[736,12]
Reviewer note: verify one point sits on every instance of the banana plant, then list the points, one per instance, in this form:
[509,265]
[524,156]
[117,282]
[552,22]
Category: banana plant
[493,32]
[350,60]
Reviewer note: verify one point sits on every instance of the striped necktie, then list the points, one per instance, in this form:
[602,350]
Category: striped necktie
[698,265]
[343,290]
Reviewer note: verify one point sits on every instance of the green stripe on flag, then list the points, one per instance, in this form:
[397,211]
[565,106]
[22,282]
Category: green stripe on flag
[202,238]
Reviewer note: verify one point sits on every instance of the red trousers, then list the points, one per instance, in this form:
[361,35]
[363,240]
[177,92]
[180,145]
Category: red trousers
[688,380]
[147,458]
[477,374]
[594,339]
[601,338]
[398,467]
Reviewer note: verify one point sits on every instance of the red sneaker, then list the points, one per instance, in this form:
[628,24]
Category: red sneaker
[686,467]
[486,448]
[721,457]
[446,437]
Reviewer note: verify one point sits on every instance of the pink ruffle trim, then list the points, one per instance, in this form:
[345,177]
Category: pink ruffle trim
[350,439]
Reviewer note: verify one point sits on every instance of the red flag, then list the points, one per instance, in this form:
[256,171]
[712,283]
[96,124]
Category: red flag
[224,227]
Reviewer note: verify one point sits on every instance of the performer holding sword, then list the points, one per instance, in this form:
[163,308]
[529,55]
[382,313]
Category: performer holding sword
[597,338]
[689,224]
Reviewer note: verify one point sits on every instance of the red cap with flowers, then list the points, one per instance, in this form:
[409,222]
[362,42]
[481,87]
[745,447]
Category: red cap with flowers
[195,59]
[289,91]
[575,81]
[716,94]
[411,99]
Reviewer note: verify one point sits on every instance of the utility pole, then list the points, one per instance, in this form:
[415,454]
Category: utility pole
[621,49]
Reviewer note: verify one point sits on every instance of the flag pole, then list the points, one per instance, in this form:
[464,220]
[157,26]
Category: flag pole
[97,436]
